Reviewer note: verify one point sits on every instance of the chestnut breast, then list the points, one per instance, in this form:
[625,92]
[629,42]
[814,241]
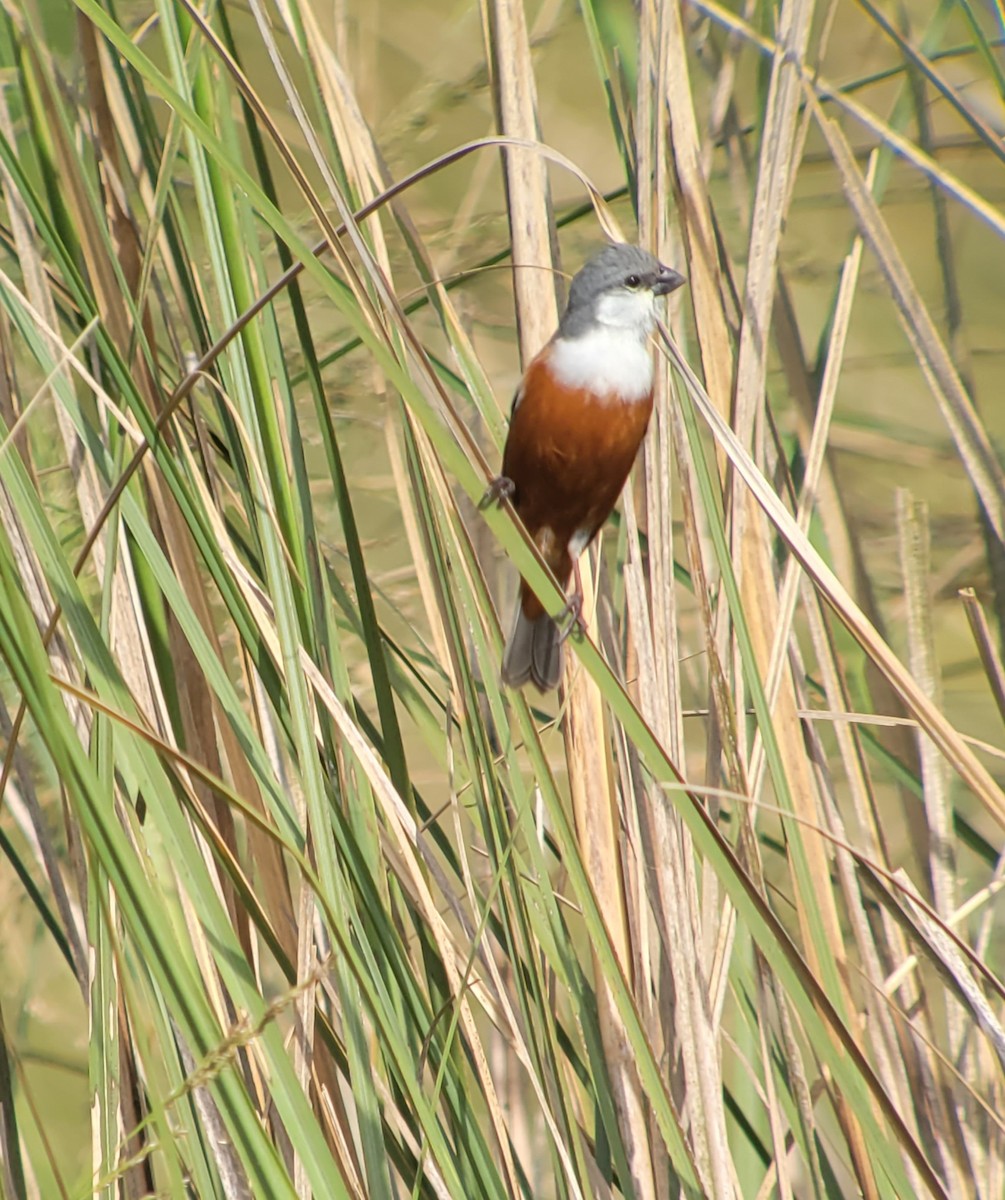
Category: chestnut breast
[571,448]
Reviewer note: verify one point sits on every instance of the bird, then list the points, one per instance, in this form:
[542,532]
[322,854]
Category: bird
[578,419]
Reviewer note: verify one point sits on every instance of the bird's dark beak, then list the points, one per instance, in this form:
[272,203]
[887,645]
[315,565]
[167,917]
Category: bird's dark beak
[668,280]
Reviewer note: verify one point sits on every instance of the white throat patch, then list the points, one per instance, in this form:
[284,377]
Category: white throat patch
[612,361]
[621,309]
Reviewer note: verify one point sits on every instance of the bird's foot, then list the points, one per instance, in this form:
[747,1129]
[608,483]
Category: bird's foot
[499,489]
[570,618]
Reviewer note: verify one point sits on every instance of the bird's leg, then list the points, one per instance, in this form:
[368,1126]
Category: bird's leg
[501,488]
[571,616]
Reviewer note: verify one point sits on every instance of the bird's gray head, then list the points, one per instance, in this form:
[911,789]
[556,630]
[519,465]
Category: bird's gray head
[617,289]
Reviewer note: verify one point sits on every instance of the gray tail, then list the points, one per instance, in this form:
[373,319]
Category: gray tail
[533,653]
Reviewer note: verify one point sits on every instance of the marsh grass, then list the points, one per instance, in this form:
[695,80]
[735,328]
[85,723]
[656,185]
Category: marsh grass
[297,898]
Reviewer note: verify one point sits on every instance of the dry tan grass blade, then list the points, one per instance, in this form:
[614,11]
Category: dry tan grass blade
[705,281]
[586,743]
[964,423]
[928,716]
[833,94]
[528,200]
[683,1020]
[780,150]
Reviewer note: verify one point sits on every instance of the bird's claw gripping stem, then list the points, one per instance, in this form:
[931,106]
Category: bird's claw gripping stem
[499,489]
[570,617]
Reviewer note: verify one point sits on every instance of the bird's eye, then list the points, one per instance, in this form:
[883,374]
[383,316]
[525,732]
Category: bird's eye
[632,282]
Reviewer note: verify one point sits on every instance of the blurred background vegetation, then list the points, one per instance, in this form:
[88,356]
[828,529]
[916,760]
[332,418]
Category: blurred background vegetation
[296,899]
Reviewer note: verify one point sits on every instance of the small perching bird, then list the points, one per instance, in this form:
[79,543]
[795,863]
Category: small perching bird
[579,417]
